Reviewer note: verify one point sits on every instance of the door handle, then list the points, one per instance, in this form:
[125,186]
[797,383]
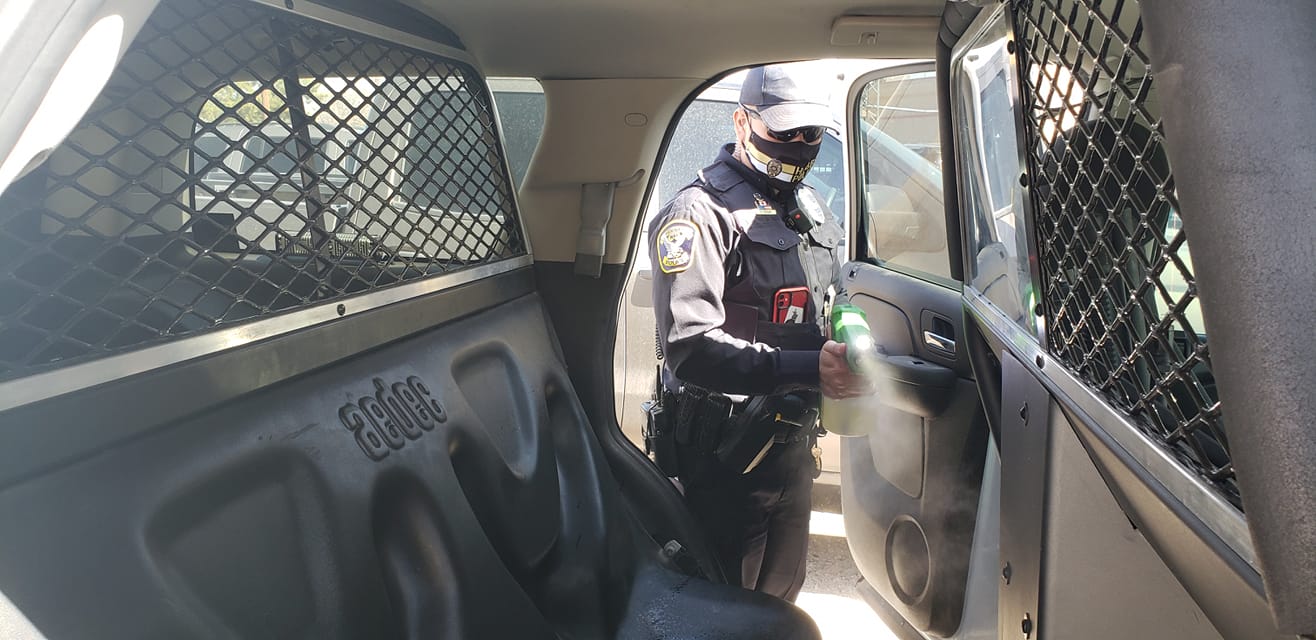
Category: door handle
[938,342]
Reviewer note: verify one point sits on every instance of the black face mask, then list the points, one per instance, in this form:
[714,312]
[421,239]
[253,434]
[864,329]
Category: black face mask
[786,162]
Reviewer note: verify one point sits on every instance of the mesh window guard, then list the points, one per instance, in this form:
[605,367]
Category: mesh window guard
[1117,280]
[240,163]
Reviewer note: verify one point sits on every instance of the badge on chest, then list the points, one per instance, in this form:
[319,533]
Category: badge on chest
[788,305]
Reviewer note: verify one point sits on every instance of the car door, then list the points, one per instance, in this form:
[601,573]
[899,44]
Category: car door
[1121,514]
[914,458]
[1117,462]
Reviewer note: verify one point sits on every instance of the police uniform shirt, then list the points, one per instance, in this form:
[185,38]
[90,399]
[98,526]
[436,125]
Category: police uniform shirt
[721,251]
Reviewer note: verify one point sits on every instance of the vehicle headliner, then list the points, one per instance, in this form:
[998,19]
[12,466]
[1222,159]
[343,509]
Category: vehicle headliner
[665,39]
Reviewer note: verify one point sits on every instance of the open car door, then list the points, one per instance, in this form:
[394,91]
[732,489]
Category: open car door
[1063,366]
[912,472]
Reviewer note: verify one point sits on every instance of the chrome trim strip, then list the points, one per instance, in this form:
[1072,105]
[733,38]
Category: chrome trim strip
[360,25]
[1200,498]
[42,386]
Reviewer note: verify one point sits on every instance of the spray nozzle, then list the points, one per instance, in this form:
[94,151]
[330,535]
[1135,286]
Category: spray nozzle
[850,326]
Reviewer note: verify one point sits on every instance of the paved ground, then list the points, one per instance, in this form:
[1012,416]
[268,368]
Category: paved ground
[829,593]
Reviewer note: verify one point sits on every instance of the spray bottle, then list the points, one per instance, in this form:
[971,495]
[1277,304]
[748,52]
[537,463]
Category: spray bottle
[849,325]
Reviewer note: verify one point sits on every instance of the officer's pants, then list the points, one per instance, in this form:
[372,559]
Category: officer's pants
[758,522]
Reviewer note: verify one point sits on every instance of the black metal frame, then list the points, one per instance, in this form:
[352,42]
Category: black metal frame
[1103,200]
[244,162]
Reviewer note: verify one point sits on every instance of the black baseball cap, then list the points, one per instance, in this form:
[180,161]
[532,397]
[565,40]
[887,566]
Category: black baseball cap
[787,96]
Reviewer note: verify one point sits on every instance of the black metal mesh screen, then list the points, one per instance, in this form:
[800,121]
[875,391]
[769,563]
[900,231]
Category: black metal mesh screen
[243,162]
[1117,279]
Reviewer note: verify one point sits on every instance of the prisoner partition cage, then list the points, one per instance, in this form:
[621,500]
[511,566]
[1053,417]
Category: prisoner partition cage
[244,162]
[1131,109]
[1117,279]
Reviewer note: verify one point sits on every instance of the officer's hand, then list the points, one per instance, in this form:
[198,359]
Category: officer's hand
[837,380]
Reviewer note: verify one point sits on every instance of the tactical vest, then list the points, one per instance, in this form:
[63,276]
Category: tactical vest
[768,256]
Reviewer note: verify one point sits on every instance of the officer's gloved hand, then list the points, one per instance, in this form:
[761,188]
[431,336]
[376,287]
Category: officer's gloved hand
[838,382]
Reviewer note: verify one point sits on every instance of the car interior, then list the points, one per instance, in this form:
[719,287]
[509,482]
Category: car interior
[291,345]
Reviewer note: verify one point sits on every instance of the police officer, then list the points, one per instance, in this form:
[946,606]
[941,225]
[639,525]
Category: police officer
[744,257]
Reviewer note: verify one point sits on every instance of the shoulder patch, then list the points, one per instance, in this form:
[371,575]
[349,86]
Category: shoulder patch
[676,246]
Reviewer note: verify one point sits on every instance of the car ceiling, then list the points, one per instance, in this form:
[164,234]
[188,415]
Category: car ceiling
[665,38]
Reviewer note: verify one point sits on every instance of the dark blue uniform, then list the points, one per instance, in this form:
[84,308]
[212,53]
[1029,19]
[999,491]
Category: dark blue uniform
[723,253]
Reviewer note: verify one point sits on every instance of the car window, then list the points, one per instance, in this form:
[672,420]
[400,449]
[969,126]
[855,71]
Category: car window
[704,128]
[827,177]
[902,209]
[431,178]
[983,82]
[521,111]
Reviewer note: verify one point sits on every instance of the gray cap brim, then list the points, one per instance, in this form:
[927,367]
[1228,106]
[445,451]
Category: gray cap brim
[793,115]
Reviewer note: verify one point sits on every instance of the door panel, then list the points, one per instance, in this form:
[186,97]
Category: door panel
[1092,552]
[1120,510]
[911,483]
[910,486]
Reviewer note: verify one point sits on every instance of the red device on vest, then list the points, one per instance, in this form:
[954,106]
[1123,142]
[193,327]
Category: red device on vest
[789,305]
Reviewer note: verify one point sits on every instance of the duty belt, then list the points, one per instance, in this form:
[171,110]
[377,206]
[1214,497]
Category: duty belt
[700,417]
[741,435]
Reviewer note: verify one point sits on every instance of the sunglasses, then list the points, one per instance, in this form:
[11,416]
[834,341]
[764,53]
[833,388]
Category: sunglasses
[811,134]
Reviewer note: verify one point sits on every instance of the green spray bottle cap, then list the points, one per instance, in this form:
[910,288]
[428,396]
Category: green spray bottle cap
[850,326]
